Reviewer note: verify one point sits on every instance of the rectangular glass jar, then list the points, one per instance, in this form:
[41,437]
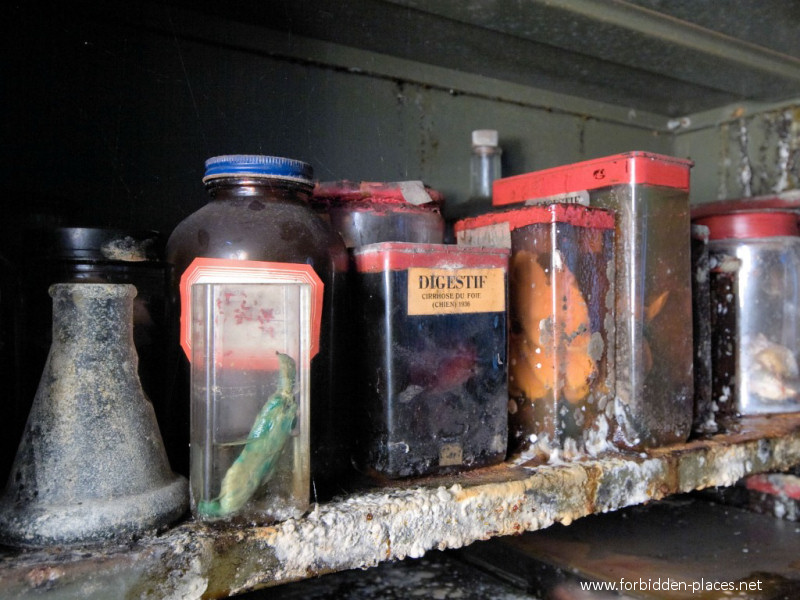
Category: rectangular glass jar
[430,347]
[649,194]
[561,313]
[754,297]
[250,329]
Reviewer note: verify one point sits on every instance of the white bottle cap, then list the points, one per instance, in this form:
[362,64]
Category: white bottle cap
[484,137]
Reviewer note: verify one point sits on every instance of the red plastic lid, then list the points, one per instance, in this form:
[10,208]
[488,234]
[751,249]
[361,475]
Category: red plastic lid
[784,201]
[744,225]
[629,168]
[573,214]
[394,256]
[407,193]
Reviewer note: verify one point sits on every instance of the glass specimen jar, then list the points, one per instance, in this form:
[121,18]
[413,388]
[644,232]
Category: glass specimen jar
[251,341]
[371,212]
[561,333]
[260,223]
[757,256]
[649,194]
[431,333]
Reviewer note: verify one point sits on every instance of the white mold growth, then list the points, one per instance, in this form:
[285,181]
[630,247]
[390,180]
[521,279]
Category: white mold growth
[190,583]
[365,529]
[759,154]
[126,249]
[407,523]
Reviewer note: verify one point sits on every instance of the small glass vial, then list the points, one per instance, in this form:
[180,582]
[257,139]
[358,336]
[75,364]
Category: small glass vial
[759,255]
[561,329]
[431,387]
[372,212]
[258,229]
[484,169]
[649,194]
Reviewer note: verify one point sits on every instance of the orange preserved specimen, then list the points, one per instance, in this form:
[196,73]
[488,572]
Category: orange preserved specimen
[561,335]
[549,308]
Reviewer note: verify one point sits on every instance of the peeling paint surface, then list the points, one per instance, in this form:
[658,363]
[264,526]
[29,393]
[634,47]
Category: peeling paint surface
[760,154]
[405,520]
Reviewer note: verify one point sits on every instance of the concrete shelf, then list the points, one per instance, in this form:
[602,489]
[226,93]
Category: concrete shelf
[403,520]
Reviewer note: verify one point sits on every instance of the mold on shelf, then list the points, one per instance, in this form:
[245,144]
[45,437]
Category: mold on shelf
[398,521]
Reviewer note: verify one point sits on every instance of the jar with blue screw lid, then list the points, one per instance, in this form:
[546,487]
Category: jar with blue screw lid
[259,275]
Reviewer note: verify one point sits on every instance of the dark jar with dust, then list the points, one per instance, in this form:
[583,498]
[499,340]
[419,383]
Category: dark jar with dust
[259,212]
[705,409]
[371,212]
[430,349]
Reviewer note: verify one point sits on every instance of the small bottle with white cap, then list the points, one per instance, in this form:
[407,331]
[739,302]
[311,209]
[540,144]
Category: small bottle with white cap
[484,169]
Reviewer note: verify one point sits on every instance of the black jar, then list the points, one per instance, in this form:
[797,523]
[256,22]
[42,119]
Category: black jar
[96,255]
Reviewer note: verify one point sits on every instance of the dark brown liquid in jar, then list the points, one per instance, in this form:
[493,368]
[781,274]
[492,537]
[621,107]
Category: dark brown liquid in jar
[267,218]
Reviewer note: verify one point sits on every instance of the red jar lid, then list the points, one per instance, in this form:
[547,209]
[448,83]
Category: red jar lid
[412,194]
[744,225]
[572,214]
[383,256]
[629,168]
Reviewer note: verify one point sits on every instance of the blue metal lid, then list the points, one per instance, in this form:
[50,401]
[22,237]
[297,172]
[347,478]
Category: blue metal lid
[256,165]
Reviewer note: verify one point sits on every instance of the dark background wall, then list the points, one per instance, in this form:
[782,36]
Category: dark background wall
[110,109]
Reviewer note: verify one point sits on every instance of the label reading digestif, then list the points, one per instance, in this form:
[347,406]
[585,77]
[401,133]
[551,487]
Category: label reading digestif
[454,291]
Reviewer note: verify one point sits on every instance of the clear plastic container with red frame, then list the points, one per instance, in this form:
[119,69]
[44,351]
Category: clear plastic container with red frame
[757,290]
[372,212]
[561,333]
[430,329]
[650,195]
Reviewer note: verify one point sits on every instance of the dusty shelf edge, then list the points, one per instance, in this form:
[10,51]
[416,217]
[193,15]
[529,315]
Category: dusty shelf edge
[193,561]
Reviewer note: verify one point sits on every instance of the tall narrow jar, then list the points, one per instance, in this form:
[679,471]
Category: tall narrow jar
[258,230]
[649,193]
